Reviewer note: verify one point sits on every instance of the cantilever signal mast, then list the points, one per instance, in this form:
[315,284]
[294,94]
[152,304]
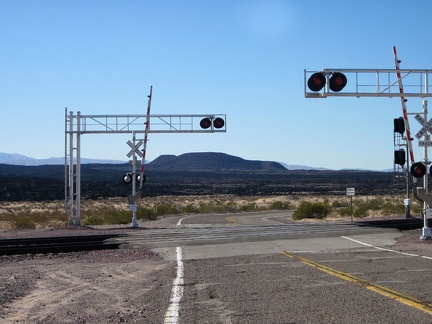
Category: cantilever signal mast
[379,83]
[77,125]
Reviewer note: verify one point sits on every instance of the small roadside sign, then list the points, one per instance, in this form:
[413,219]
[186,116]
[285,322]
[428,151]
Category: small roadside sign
[428,213]
[132,207]
[425,143]
[350,192]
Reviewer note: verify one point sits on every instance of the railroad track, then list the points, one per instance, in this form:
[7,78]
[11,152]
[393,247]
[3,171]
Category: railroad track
[183,235]
[400,224]
[58,244]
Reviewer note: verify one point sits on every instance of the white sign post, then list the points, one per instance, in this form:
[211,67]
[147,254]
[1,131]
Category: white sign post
[425,143]
[132,198]
[350,192]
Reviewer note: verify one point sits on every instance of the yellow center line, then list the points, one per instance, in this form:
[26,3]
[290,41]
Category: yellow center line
[405,299]
[229,219]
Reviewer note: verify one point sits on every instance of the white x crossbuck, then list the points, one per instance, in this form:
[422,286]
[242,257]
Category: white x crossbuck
[135,148]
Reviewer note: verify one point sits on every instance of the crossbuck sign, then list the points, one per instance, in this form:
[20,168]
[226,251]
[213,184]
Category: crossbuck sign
[427,128]
[135,148]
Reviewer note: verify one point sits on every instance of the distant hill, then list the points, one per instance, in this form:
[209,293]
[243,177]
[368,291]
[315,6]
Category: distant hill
[162,162]
[189,162]
[301,167]
[18,159]
[210,161]
[190,174]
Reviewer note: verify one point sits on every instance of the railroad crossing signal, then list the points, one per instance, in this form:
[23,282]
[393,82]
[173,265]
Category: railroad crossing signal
[358,83]
[337,81]
[418,170]
[127,178]
[206,123]
[316,81]
[383,85]
[399,125]
[399,157]
[77,125]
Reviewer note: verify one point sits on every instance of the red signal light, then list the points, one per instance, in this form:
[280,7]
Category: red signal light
[338,81]
[316,81]
[418,170]
[218,123]
[205,123]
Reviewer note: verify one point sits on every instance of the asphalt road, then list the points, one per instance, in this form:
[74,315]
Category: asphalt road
[254,268]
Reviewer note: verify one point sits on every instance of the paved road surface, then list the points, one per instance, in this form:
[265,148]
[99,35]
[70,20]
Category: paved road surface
[253,268]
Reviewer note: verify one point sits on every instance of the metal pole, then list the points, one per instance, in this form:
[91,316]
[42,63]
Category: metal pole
[426,230]
[134,160]
[71,170]
[78,171]
[408,205]
[65,166]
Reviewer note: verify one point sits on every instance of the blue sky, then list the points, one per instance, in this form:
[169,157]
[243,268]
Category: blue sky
[241,58]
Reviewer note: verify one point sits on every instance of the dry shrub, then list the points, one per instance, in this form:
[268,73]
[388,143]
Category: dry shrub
[312,210]
[115,210]
[279,205]
[21,223]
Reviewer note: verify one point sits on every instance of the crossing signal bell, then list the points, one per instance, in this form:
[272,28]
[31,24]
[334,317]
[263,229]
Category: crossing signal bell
[318,80]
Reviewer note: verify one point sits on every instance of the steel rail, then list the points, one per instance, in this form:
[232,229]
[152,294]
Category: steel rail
[58,244]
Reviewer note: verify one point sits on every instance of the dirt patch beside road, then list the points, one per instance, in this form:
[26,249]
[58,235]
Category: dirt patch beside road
[109,286]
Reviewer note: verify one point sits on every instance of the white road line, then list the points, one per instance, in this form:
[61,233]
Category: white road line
[180,220]
[273,221]
[172,314]
[383,249]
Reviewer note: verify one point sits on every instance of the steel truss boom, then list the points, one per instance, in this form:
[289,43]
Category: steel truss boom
[375,83]
[126,124]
